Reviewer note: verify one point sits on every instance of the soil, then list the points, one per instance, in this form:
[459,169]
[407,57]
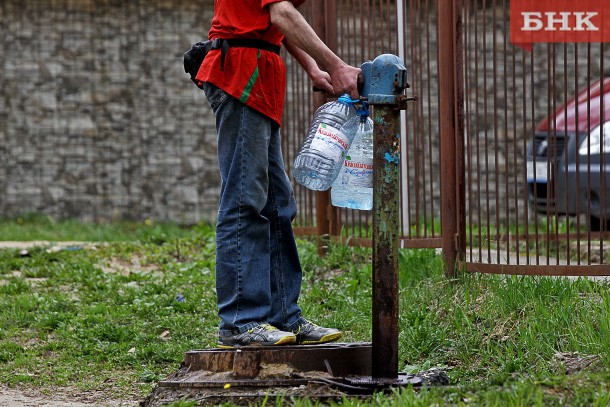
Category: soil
[64,397]
[38,243]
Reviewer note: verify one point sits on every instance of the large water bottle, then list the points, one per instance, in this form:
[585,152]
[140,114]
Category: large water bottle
[320,157]
[353,187]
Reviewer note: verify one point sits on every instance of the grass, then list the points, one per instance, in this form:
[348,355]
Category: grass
[34,227]
[117,317]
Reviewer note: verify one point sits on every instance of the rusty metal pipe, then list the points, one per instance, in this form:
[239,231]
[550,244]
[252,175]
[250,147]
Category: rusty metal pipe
[385,241]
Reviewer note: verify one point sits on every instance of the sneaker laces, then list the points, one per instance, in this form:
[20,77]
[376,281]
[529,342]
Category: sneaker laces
[266,327]
[306,326]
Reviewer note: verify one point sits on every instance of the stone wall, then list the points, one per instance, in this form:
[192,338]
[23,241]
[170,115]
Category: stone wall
[98,120]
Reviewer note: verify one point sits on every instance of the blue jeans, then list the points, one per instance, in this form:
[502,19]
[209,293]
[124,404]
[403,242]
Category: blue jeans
[258,272]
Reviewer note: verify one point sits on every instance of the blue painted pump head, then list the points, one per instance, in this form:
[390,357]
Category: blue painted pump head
[384,79]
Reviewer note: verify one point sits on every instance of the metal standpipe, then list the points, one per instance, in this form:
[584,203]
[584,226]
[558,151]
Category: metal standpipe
[385,79]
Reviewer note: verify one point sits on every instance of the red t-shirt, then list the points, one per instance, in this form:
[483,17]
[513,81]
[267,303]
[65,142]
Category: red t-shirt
[256,77]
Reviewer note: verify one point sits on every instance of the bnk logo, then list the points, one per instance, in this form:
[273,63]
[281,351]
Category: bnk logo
[559,21]
[552,21]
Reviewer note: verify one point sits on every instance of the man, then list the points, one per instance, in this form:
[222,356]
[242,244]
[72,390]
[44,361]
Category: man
[258,273]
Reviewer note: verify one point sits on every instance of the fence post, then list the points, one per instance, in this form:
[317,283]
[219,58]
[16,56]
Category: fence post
[325,25]
[451,135]
[460,180]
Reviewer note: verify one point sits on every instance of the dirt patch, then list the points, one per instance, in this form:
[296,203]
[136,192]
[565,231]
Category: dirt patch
[572,363]
[246,396]
[52,246]
[63,397]
[127,267]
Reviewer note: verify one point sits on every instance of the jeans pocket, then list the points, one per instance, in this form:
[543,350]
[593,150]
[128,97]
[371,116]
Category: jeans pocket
[216,96]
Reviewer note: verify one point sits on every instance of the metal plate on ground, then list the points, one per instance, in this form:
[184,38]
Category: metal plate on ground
[337,359]
[376,382]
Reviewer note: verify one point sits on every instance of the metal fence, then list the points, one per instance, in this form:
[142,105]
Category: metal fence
[532,198]
[494,169]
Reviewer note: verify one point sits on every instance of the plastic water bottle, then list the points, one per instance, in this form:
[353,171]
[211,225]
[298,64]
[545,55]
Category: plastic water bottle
[353,188]
[320,157]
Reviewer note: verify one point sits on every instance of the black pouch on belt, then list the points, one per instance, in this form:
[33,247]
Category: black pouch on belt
[194,57]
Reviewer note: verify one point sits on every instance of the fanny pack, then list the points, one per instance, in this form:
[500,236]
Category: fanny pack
[193,58]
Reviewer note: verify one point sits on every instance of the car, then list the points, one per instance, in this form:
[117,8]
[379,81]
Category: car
[568,161]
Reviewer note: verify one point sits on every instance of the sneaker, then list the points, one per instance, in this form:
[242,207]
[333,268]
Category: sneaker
[260,335]
[309,333]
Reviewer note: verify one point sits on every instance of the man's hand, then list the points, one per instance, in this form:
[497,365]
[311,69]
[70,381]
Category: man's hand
[344,79]
[321,81]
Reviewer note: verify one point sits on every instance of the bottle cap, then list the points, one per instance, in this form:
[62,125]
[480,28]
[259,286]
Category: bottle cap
[345,99]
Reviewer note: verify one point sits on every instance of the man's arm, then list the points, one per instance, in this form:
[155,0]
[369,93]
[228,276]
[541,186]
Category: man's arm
[321,79]
[299,36]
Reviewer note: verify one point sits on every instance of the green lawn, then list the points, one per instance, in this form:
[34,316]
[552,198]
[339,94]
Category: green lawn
[118,316]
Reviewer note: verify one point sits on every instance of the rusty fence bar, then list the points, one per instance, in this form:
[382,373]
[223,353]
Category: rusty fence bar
[447,85]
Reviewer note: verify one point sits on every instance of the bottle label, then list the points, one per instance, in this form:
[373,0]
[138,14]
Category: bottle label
[330,142]
[357,172]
